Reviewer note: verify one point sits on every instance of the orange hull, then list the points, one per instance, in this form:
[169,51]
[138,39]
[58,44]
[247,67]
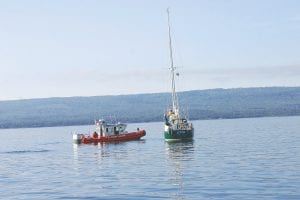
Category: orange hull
[114,138]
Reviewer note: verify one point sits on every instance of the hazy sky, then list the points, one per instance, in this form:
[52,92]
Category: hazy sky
[89,48]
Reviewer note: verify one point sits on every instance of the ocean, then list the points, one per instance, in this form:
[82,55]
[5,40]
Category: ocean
[251,158]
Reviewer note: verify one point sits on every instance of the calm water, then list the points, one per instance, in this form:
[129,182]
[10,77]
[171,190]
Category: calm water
[229,159]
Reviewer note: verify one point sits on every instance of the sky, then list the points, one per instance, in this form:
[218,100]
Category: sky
[62,48]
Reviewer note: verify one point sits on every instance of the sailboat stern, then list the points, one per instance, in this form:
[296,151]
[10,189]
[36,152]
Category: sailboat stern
[171,134]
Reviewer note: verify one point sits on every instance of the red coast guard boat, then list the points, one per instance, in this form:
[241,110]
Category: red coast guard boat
[108,133]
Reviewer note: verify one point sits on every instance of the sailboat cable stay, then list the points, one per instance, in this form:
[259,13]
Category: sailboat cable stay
[176,127]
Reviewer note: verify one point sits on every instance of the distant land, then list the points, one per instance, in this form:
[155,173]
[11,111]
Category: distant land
[197,104]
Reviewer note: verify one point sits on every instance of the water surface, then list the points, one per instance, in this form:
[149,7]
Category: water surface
[255,158]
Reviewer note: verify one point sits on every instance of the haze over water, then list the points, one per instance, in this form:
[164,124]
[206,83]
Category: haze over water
[256,158]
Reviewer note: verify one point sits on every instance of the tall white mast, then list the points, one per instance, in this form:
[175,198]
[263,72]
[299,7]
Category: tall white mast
[172,68]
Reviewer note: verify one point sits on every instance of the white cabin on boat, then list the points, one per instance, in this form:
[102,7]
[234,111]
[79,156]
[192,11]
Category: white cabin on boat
[105,129]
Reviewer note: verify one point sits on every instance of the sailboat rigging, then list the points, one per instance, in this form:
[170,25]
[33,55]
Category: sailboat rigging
[176,126]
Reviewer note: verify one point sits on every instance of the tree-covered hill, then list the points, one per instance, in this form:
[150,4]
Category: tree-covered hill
[198,104]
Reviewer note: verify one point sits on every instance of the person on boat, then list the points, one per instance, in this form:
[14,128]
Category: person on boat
[95,135]
[166,115]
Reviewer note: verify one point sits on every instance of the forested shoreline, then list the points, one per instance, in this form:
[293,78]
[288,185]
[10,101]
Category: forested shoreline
[196,104]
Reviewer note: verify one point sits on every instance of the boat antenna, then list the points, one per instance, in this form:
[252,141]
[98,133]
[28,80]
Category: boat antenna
[172,68]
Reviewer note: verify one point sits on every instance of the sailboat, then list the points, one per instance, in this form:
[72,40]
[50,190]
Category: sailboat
[177,127]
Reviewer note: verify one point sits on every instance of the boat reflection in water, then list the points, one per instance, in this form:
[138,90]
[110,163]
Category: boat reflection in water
[179,155]
[180,150]
[102,150]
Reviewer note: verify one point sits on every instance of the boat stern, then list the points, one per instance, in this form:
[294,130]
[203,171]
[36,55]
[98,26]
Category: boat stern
[178,135]
[77,138]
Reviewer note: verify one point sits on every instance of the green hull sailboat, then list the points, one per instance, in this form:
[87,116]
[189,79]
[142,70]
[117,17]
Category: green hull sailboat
[177,128]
